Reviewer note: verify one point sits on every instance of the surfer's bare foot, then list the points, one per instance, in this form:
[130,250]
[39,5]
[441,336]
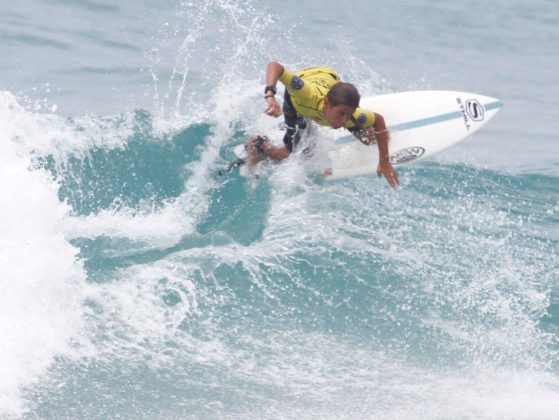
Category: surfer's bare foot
[254,149]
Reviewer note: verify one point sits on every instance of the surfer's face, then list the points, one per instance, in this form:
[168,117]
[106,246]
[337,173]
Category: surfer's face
[337,115]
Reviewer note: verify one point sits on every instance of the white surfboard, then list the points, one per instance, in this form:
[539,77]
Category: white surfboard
[421,123]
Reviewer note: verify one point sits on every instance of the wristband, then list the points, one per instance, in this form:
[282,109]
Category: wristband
[270,88]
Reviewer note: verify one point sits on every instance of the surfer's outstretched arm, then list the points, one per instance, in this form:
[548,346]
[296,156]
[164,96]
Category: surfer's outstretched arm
[273,73]
[379,133]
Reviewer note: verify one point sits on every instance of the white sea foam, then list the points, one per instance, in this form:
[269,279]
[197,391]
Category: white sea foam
[42,280]
[50,134]
[156,228]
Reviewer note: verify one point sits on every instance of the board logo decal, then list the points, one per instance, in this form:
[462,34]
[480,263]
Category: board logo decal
[464,113]
[407,155]
[475,110]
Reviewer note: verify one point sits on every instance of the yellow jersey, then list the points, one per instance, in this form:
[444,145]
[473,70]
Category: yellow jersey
[309,87]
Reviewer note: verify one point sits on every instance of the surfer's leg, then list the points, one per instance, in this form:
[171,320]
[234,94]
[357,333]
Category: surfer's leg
[253,146]
[295,124]
[259,147]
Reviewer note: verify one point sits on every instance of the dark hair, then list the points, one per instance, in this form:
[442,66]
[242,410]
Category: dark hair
[343,94]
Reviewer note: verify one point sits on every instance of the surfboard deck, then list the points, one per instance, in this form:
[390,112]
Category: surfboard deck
[420,123]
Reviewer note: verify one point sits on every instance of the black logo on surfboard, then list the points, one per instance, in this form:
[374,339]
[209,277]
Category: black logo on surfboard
[471,110]
[407,155]
[475,110]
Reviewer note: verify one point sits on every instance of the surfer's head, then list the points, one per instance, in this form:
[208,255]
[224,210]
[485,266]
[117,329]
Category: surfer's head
[340,103]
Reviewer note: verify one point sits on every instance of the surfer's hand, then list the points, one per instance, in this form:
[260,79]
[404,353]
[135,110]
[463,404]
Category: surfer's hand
[272,107]
[386,169]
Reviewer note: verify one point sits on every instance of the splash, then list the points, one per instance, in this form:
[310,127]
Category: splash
[42,279]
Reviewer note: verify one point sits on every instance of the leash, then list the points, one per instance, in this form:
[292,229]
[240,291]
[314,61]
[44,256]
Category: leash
[234,164]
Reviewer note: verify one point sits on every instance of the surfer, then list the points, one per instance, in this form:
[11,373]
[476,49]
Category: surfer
[317,94]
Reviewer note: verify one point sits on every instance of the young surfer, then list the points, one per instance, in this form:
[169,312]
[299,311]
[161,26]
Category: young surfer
[317,94]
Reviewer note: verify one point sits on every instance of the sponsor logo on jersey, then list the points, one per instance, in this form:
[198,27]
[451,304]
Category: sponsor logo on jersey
[297,83]
[361,119]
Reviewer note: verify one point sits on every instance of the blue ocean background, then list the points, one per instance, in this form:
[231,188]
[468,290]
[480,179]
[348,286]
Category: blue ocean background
[137,284]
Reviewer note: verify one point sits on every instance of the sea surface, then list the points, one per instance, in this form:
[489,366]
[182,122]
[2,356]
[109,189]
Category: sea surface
[135,283]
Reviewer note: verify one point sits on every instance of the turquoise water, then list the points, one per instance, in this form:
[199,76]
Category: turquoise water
[136,283]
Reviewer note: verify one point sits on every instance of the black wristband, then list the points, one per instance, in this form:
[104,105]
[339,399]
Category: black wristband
[270,88]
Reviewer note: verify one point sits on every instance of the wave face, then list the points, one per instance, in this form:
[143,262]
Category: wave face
[138,283]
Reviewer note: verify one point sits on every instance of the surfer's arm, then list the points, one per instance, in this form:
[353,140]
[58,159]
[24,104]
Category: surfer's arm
[273,73]
[378,133]
[384,168]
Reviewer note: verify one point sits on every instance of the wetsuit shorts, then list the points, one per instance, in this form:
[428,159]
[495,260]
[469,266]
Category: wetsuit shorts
[295,123]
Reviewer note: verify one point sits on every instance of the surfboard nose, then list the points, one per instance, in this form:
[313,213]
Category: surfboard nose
[493,103]
[488,102]
[482,107]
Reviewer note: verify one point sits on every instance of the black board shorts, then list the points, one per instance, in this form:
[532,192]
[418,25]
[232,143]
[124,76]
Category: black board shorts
[295,123]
